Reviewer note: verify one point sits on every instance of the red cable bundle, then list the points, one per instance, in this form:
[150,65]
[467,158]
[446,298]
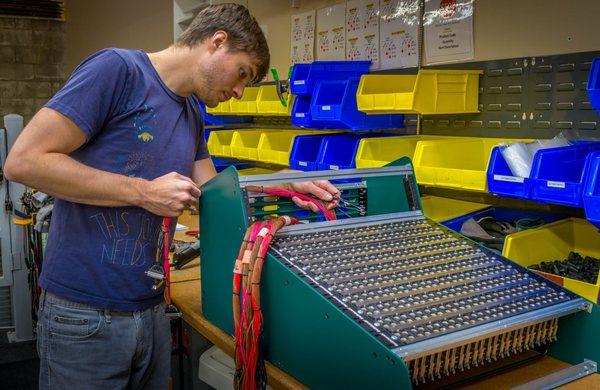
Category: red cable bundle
[166,226]
[248,320]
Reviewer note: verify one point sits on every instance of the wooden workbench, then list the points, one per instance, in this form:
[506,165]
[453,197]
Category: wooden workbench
[186,295]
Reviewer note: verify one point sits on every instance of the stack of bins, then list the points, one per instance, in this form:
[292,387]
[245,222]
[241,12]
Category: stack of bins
[557,175]
[304,83]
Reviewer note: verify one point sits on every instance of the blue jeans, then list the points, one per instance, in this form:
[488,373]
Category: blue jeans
[82,347]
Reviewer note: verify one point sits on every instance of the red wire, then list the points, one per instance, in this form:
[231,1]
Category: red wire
[292,194]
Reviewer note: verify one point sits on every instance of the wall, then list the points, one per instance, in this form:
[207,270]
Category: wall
[96,24]
[502,29]
[32,65]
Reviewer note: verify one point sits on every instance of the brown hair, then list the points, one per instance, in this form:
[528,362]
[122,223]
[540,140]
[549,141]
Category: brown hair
[244,33]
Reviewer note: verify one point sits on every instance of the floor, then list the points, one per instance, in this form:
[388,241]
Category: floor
[19,364]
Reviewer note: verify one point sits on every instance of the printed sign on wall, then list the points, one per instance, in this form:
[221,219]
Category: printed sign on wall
[303,37]
[331,33]
[448,26]
[362,31]
[399,32]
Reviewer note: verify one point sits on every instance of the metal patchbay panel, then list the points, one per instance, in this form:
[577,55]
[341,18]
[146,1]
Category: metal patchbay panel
[407,280]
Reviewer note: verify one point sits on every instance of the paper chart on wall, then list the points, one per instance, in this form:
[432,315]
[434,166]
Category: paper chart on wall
[362,31]
[331,33]
[399,33]
[303,37]
[448,30]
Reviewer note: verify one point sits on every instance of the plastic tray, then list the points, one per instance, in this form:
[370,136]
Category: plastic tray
[222,163]
[441,209]
[376,152]
[268,102]
[591,193]
[554,242]
[431,91]
[244,144]
[305,152]
[450,163]
[559,174]
[247,104]
[338,152]
[275,147]
[221,108]
[305,76]
[334,105]
[301,112]
[219,142]
[502,214]
[502,182]
[593,85]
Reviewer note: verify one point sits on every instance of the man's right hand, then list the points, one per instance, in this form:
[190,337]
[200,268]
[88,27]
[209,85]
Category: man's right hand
[170,194]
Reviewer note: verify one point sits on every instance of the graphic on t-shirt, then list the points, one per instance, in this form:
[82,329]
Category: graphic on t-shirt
[138,162]
[144,122]
[129,237]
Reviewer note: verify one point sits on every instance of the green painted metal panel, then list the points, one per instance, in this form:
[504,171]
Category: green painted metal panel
[314,341]
[578,337]
[223,224]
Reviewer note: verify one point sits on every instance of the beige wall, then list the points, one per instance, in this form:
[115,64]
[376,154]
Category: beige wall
[95,24]
[502,29]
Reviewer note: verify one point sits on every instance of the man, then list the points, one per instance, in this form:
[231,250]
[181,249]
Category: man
[121,146]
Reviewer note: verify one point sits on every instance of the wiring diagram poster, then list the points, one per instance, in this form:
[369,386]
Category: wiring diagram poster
[399,33]
[331,33]
[303,37]
[448,30]
[362,31]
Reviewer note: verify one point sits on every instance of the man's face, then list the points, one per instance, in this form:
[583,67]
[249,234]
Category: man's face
[224,76]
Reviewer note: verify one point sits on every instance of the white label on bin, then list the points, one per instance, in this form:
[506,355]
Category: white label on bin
[326,108]
[299,115]
[512,179]
[556,184]
[302,163]
[337,168]
[299,82]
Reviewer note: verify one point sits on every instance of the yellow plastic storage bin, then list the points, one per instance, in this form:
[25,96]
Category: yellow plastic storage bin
[269,104]
[379,151]
[221,108]
[443,209]
[275,147]
[431,91]
[247,104]
[554,242]
[219,142]
[454,163]
[244,144]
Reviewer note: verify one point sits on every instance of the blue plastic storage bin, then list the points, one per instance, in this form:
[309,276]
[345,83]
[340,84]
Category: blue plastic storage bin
[305,152]
[502,214]
[334,106]
[591,193]
[501,181]
[305,76]
[593,85]
[301,112]
[338,152]
[559,174]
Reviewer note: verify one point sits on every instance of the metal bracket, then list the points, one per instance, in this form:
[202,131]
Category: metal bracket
[561,377]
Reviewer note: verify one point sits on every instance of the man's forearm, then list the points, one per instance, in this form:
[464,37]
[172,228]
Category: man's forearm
[63,177]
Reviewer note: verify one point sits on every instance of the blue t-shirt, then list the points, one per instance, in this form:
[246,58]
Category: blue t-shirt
[135,126]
